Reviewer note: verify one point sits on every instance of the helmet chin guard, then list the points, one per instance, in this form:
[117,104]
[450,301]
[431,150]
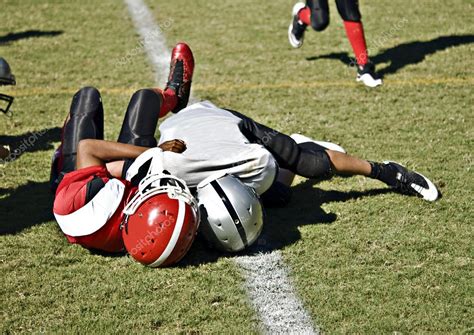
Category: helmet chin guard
[161,183]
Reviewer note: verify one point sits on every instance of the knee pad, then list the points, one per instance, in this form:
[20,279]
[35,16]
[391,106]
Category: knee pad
[86,121]
[349,10]
[141,119]
[89,96]
[314,164]
[319,14]
[89,90]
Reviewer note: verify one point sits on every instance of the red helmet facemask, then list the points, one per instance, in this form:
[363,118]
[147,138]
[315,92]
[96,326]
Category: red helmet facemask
[161,221]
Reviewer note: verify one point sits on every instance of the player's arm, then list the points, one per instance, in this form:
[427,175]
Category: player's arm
[97,152]
[92,152]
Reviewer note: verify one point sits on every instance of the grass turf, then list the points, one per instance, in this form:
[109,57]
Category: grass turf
[363,261]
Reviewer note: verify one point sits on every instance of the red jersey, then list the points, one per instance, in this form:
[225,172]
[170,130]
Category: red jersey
[88,208]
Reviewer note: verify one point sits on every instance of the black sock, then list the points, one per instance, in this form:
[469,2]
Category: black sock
[383,173]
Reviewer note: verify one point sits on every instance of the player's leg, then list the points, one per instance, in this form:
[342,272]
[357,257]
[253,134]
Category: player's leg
[305,159]
[393,174]
[315,13]
[84,121]
[312,160]
[349,12]
[318,13]
[291,157]
[141,118]
[147,105]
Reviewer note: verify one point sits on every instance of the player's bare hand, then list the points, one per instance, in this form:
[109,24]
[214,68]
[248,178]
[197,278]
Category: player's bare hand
[177,146]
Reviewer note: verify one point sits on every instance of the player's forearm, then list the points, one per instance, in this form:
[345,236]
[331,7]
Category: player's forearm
[97,152]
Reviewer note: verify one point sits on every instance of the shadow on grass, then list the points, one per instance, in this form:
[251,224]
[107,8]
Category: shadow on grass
[13,37]
[30,142]
[25,206]
[281,228]
[29,204]
[404,54]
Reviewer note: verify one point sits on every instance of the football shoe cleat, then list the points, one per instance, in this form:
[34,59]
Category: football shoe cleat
[366,74]
[410,182]
[297,28]
[181,74]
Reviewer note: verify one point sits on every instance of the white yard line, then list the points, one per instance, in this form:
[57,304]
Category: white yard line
[153,39]
[273,295]
[269,286]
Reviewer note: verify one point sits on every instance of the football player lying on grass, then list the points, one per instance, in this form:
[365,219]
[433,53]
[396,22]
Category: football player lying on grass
[196,142]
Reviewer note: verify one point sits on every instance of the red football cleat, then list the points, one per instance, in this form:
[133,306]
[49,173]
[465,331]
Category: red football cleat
[181,74]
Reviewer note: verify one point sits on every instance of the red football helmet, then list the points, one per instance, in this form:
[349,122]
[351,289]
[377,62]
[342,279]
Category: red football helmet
[161,221]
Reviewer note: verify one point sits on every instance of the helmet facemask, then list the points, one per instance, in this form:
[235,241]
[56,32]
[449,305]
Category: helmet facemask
[6,78]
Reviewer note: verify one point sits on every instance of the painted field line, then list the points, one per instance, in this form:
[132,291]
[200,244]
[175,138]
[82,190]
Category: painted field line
[273,296]
[266,277]
[32,91]
[152,37]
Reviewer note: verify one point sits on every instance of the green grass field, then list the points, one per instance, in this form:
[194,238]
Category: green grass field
[362,259]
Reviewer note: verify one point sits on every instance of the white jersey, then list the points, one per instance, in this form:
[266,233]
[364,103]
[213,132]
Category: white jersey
[215,144]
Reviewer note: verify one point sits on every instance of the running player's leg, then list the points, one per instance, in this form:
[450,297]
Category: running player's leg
[315,14]
[349,12]
[317,11]
[84,121]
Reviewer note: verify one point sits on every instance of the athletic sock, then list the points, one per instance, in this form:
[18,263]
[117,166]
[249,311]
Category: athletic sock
[355,34]
[304,15]
[169,100]
[383,173]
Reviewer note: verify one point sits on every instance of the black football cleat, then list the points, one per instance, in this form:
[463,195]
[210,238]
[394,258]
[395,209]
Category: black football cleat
[181,74]
[297,28]
[410,182]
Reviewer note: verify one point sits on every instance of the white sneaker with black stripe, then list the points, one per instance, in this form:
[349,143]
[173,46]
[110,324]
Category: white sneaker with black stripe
[297,28]
[411,182]
[366,75]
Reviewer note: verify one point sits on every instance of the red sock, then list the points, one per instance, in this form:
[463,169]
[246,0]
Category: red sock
[169,100]
[304,16]
[355,34]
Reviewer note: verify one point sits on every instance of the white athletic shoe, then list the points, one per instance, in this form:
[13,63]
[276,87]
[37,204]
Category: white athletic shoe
[328,145]
[297,28]
[411,182]
[367,75]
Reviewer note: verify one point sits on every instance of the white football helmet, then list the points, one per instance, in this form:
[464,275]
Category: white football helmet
[231,213]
